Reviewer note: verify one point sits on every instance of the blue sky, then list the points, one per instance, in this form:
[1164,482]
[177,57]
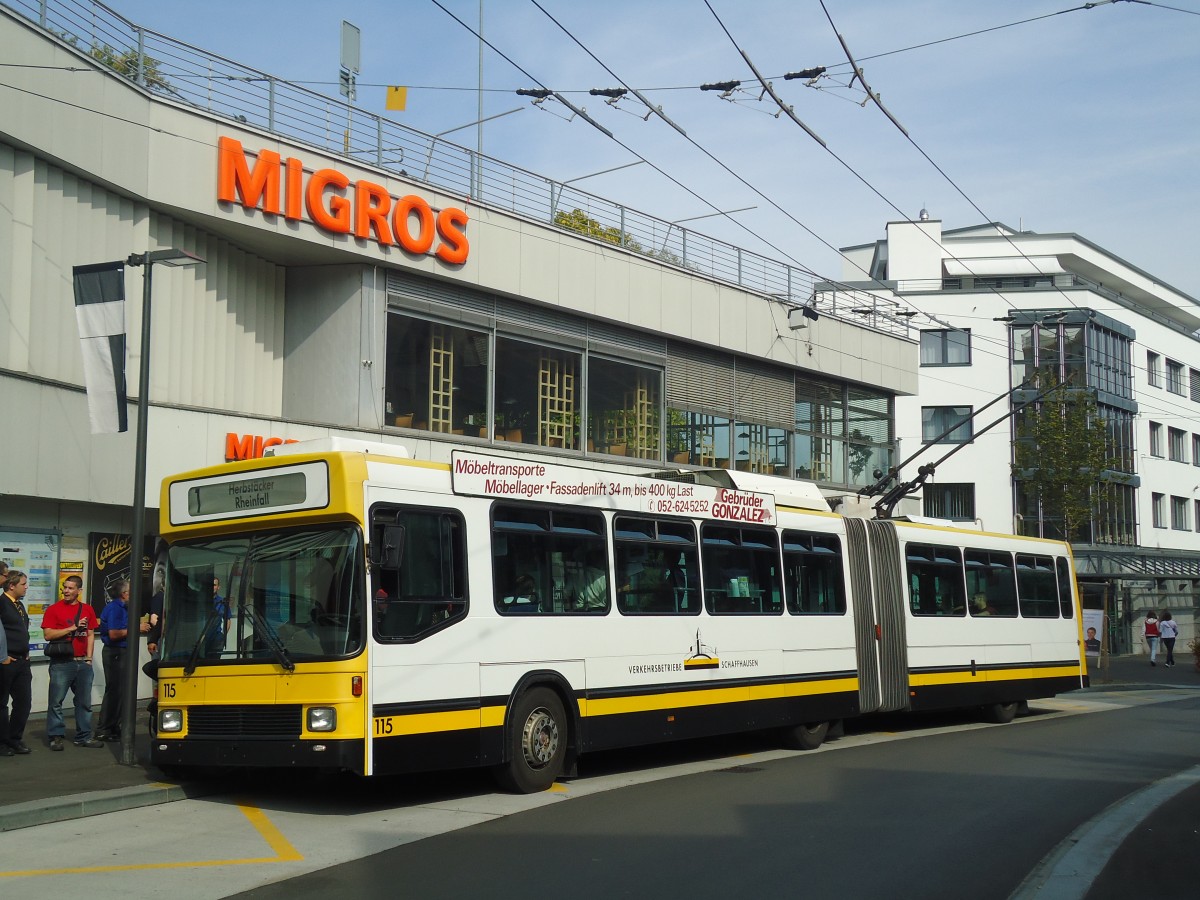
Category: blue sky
[1086,122]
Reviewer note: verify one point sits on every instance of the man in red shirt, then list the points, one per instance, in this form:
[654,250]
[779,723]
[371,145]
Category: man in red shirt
[71,616]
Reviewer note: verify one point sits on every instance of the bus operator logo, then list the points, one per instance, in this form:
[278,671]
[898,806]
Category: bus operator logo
[328,199]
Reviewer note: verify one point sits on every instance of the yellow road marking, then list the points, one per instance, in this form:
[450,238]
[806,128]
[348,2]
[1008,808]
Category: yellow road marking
[284,852]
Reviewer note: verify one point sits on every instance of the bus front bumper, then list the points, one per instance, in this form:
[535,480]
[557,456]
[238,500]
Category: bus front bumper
[342,755]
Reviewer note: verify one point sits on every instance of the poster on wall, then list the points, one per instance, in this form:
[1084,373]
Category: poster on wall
[35,554]
[109,562]
[1093,632]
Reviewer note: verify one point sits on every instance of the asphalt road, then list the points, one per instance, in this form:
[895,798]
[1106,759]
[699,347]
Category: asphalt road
[967,812]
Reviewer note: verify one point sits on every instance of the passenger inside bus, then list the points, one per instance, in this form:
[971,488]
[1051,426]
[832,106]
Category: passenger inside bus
[523,597]
[591,588]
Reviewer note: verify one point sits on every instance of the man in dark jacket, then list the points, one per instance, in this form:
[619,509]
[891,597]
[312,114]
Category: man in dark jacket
[16,678]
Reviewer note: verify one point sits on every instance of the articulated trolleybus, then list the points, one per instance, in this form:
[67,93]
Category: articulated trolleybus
[391,615]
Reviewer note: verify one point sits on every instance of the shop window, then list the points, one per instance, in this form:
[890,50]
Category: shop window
[698,439]
[537,396]
[436,377]
[624,411]
[760,448]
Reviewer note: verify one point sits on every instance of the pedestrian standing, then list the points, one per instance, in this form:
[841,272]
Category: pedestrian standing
[114,632]
[1168,630]
[1150,633]
[71,617]
[16,678]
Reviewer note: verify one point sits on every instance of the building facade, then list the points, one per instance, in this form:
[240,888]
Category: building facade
[1000,306]
[344,294]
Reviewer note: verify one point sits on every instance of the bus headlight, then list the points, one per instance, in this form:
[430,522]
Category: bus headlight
[322,718]
[170,720]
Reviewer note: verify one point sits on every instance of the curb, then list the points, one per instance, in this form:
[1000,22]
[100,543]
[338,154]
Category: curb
[95,803]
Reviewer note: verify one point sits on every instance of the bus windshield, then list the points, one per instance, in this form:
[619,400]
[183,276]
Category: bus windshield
[272,596]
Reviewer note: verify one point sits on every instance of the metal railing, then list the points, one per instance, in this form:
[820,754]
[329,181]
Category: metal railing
[196,78]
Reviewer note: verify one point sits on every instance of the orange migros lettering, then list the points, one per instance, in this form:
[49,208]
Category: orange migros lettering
[250,446]
[331,201]
[236,183]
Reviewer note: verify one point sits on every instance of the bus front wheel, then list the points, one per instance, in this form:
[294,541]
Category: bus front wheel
[537,743]
[807,736]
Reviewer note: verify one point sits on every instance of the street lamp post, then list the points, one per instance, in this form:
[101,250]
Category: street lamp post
[171,257]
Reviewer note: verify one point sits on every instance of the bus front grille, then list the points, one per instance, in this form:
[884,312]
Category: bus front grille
[284,721]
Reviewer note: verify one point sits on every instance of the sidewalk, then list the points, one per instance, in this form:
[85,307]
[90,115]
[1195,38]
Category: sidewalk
[51,787]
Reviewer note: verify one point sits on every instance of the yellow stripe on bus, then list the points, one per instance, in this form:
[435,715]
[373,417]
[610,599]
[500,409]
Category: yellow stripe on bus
[493,716]
[929,679]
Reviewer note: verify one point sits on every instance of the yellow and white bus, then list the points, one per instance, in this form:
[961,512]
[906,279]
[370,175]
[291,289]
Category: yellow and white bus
[394,615]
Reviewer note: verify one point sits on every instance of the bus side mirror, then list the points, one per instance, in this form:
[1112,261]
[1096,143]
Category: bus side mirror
[387,546]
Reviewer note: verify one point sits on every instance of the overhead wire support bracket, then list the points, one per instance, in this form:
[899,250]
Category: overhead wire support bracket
[858,73]
[582,113]
[774,96]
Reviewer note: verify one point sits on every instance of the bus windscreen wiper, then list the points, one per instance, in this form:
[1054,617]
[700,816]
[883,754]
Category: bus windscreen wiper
[195,654]
[271,638]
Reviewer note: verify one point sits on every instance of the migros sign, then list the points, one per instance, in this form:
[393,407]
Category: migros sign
[328,199]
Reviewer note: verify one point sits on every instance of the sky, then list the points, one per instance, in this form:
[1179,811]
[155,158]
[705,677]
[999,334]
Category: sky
[1083,122]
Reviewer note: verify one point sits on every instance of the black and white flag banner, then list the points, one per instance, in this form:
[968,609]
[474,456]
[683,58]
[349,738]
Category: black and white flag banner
[100,314]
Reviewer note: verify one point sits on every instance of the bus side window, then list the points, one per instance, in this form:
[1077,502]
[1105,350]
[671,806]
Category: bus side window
[427,588]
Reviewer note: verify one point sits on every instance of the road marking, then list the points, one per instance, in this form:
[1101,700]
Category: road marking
[284,852]
[1068,871]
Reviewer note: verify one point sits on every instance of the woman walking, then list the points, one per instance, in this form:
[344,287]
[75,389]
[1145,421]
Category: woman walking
[1150,633]
[1168,630]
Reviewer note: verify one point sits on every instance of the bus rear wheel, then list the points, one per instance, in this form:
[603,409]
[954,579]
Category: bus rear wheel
[807,736]
[1001,713]
[537,743]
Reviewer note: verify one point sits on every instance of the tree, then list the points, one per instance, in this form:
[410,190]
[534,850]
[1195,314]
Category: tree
[125,62]
[1060,455]
[579,221]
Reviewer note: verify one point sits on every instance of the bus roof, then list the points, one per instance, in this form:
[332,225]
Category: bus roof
[338,445]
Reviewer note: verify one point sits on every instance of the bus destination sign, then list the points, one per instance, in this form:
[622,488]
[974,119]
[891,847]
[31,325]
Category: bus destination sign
[262,492]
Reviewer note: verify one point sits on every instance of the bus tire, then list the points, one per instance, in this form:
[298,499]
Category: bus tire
[806,736]
[1001,713]
[537,742]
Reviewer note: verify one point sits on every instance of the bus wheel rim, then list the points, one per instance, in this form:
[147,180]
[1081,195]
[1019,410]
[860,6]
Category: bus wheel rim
[539,738]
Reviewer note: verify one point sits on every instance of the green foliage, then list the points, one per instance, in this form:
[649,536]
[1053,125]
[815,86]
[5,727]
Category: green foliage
[579,221]
[860,454]
[1060,454]
[125,62]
